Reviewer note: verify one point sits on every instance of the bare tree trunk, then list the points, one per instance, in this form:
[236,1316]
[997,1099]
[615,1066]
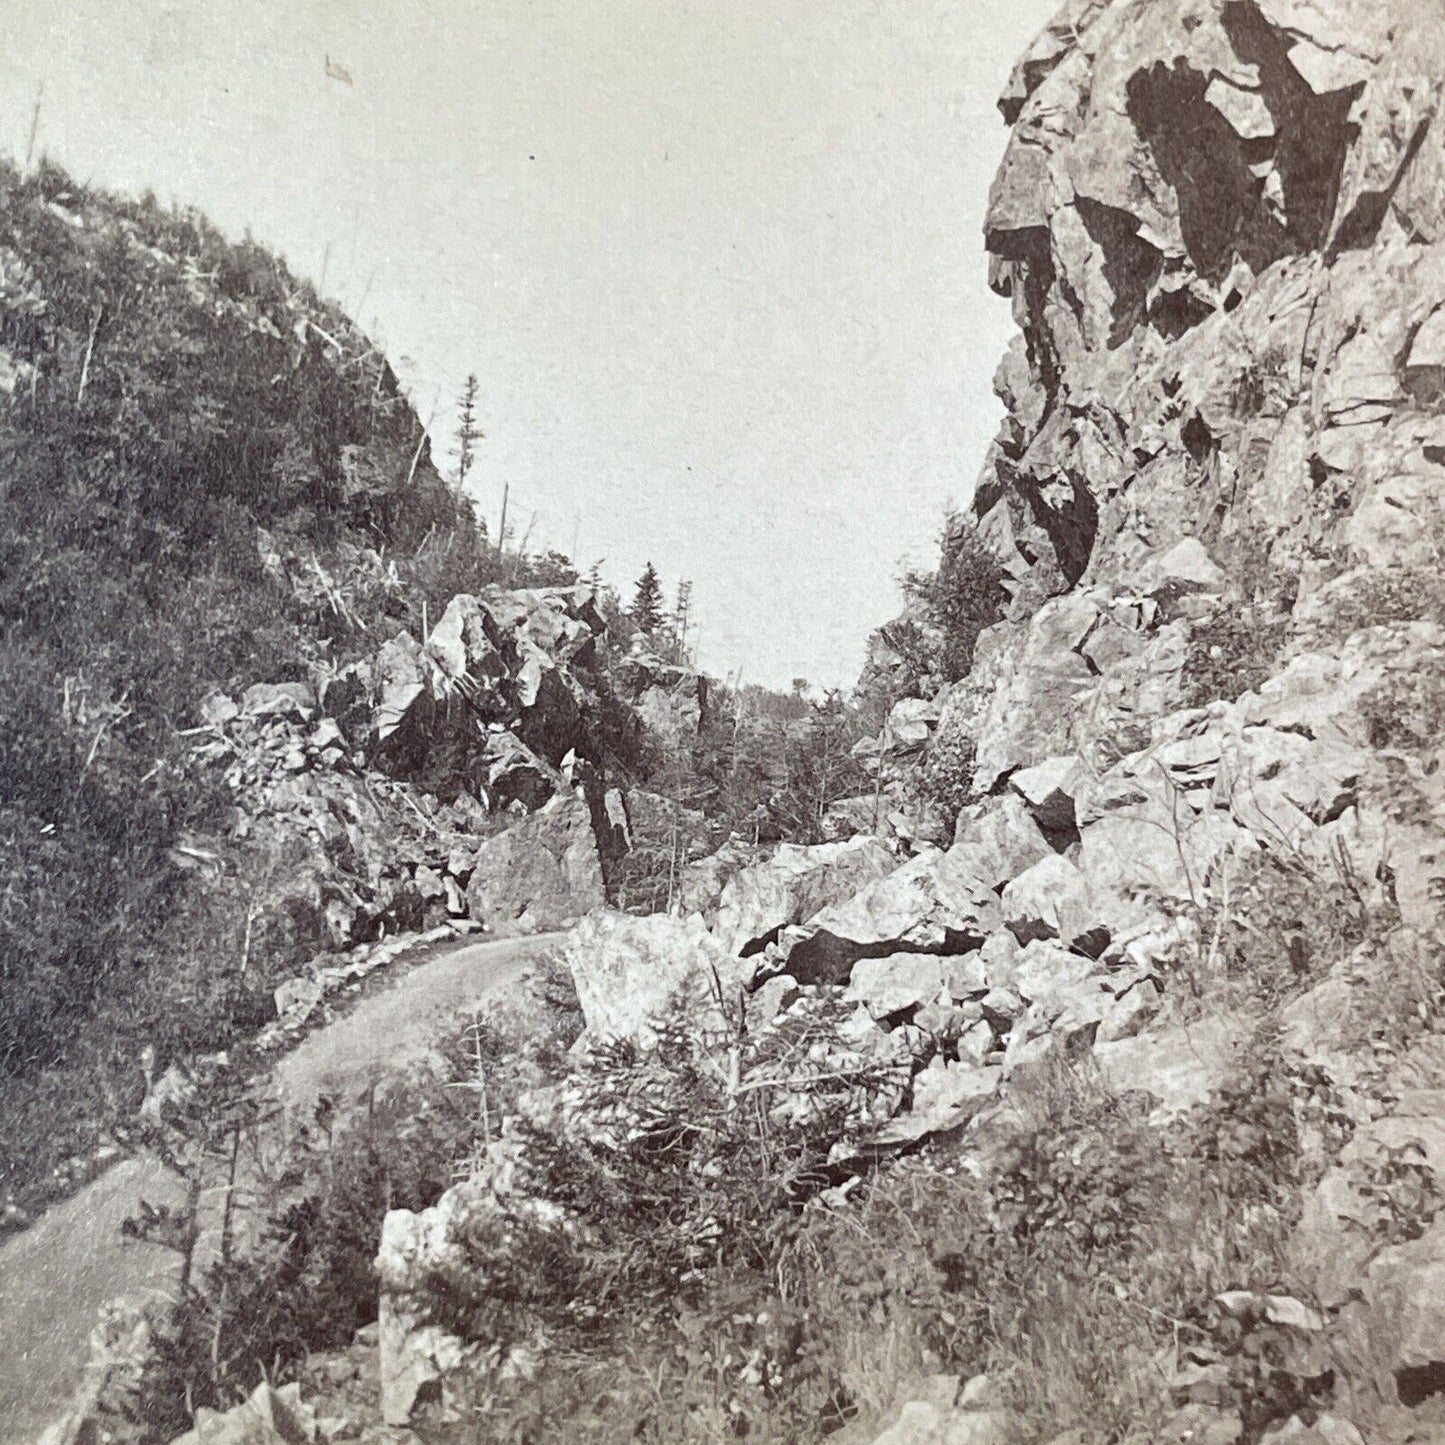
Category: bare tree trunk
[89,353]
[34,125]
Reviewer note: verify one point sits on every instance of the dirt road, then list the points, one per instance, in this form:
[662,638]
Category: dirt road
[57,1274]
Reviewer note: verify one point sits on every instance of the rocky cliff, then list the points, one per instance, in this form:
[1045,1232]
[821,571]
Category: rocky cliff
[1217,226]
[1219,494]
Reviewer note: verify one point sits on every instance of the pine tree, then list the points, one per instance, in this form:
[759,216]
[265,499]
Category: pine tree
[647,602]
[468,433]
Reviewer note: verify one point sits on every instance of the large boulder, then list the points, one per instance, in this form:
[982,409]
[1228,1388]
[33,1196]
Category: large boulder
[1052,900]
[999,838]
[465,650]
[521,660]
[1146,851]
[1072,999]
[946,1096]
[268,1416]
[1049,789]
[1186,568]
[793,885]
[1327,694]
[700,885]
[419,1360]
[911,723]
[1029,679]
[1181,1067]
[930,1417]
[900,982]
[1405,1297]
[514,773]
[632,973]
[540,875]
[279,699]
[674,714]
[934,903]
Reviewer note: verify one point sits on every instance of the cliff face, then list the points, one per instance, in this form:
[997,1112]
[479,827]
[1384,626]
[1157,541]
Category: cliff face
[1219,496]
[1218,222]
[1205,739]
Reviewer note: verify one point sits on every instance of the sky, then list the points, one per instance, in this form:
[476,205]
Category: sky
[717,264]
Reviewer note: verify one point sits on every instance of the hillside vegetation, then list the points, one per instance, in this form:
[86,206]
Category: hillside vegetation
[209,479]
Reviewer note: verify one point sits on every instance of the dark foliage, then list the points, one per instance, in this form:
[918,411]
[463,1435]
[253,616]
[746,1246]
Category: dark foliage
[647,602]
[308,1282]
[959,600]
[1230,654]
[181,392]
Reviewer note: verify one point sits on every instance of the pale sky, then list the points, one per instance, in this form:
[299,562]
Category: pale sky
[716,263]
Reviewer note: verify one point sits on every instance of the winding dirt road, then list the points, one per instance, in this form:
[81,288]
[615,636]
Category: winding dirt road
[57,1274]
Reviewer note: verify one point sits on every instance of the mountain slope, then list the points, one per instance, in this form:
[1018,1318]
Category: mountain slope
[209,479]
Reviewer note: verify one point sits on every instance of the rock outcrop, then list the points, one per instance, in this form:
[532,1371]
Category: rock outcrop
[266,1417]
[540,875]
[1218,498]
[503,687]
[671,699]
[792,885]
[1217,227]
[369,798]
[934,903]
[633,973]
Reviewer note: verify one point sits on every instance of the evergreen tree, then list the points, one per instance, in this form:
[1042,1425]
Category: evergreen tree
[468,433]
[962,598]
[647,602]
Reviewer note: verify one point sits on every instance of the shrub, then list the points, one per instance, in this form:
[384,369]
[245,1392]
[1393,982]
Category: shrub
[1263,384]
[659,1234]
[819,769]
[1280,924]
[1231,653]
[1035,1271]
[766,765]
[667,1165]
[1079,1264]
[1378,598]
[945,782]
[962,597]
[308,1282]
[1404,711]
